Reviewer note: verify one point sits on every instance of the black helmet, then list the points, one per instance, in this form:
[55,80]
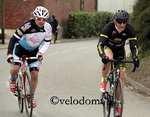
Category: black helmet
[121,15]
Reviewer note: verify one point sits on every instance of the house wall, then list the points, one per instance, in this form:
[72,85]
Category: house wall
[113,5]
[17,11]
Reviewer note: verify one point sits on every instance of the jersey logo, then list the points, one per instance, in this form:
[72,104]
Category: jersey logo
[124,34]
[26,26]
[33,30]
[117,39]
[114,32]
[19,32]
[41,30]
[35,41]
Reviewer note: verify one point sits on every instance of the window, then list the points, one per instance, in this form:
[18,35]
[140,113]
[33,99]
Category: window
[81,5]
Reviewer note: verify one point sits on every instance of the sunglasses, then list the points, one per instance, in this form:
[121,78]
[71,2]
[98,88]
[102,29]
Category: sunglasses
[121,21]
[40,19]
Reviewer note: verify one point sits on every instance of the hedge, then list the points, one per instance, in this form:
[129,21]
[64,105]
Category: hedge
[86,24]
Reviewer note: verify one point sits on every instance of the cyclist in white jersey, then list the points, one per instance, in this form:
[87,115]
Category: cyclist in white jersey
[26,41]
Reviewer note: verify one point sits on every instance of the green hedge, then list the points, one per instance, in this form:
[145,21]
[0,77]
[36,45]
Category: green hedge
[86,24]
[140,19]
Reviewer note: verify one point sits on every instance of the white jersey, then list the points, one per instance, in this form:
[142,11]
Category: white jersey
[31,36]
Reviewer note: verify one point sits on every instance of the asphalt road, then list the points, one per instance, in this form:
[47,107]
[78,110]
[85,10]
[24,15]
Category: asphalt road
[68,85]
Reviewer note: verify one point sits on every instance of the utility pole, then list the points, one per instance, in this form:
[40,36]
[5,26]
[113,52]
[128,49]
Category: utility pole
[3,23]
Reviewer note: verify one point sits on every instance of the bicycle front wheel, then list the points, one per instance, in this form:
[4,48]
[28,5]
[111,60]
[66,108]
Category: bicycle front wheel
[106,101]
[28,95]
[19,93]
[118,99]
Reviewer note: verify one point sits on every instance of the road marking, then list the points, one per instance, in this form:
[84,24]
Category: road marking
[52,54]
[81,48]
[67,51]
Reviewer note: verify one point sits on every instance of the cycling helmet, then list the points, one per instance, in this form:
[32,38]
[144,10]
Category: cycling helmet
[41,12]
[121,15]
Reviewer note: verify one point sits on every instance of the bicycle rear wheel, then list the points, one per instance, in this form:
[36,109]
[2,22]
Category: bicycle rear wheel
[28,94]
[19,92]
[118,104]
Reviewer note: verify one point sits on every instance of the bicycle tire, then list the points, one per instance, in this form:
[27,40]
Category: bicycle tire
[28,94]
[107,101]
[19,93]
[120,104]
[106,105]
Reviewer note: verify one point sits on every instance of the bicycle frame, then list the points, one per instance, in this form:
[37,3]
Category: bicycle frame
[24,69]
[23,92]
[111,78]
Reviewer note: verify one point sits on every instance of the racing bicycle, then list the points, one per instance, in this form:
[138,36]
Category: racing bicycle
[114,86]
[23,87]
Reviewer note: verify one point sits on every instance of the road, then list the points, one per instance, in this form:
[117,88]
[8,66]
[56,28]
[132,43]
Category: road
[69,77]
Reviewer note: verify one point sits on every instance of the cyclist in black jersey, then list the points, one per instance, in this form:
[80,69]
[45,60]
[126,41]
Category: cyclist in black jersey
[26,41]
[112,41]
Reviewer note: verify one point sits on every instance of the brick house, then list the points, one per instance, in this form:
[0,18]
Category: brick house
[17,11]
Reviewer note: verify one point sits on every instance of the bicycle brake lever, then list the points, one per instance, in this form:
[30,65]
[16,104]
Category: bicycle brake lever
[134,69]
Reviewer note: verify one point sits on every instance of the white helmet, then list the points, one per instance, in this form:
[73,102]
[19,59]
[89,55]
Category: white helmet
[41,12]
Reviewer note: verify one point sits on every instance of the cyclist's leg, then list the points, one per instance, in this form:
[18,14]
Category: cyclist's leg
[16,63]
[13,72]
[108,53]
[34,69]
[34,81]
[14,68]
[122,72]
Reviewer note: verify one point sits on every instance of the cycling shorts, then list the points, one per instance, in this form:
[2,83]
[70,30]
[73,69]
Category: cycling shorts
[19,51]
[116,54]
